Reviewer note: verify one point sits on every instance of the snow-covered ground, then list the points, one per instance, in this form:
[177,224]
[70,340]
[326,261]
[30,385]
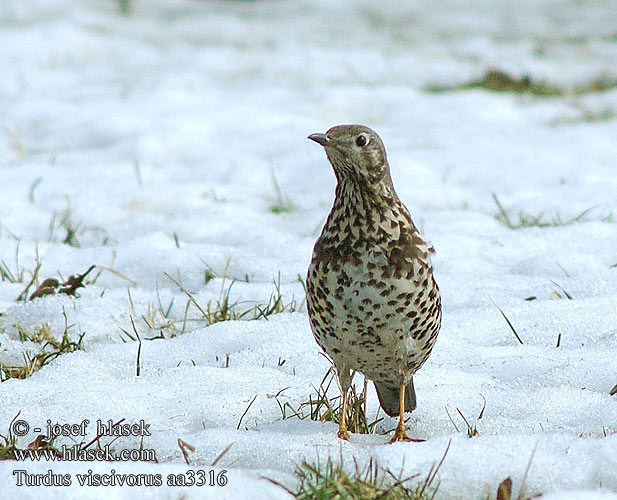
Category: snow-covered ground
[165,138]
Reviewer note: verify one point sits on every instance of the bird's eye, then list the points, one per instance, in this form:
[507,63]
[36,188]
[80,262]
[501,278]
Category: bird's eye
[361,140]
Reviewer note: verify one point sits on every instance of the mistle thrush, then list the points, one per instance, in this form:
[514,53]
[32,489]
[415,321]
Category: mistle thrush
[373,304]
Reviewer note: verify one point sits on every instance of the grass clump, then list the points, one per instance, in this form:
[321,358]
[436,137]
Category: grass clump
[157,318]
[281,203]
[226,309]
[585,115]
[18,274]
[162,323]
[125,7]
[8,443]
[496,80]
[9,275]
[321,407]
[526,220]
[9,448]
[51,349]
[472,428]
[64,221]
[331,481]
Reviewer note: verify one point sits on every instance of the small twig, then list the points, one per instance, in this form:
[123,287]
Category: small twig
[138,362]
[98,436]
[33,186]
[137,168]
[119,274]
[451,420]
[35,276]
[222,454]
[432,474]
[483,407]
[188,294]
[183,447]
[502,212]
[508,321]
[520,491]
[471,431]
[246,411]
[563,290]
[186,315]
[563,269]
[276,483]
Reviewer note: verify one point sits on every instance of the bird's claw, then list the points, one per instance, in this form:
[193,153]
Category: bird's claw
[401,437]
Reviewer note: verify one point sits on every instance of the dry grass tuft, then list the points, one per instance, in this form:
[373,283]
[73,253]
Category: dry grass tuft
[51,349]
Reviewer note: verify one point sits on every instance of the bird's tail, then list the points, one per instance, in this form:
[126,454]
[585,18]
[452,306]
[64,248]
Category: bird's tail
[388,398]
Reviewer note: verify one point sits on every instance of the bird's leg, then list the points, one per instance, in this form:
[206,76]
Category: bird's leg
[399,433]
[342,425]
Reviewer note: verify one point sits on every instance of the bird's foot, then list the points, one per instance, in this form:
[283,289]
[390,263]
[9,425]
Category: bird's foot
[400,436]
[343,434]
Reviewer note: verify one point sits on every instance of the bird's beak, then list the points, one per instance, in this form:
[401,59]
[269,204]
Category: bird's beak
[321,139]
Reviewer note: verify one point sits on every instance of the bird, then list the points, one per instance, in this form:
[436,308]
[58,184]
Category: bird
[373,304]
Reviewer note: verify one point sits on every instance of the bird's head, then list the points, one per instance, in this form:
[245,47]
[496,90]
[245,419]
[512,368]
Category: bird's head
[356,153]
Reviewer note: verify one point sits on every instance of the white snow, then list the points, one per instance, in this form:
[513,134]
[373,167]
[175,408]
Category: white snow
[161,132]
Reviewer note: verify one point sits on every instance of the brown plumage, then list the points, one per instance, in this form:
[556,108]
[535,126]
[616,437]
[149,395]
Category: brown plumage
[373,304]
